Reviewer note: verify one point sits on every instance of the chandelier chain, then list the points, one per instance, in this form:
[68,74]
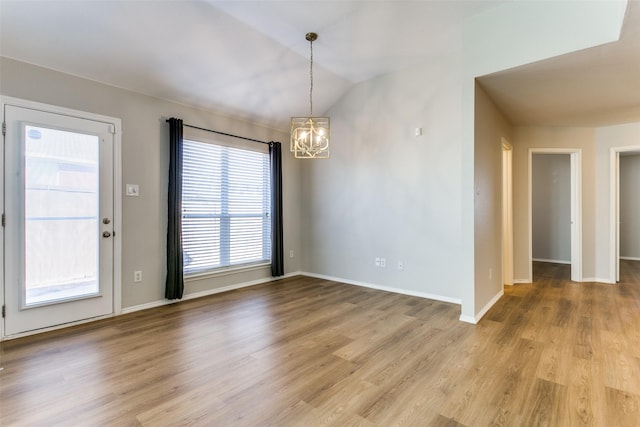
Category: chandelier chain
[311,80]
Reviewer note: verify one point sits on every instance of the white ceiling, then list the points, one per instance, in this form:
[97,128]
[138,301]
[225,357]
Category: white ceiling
[595,86]
[250,58]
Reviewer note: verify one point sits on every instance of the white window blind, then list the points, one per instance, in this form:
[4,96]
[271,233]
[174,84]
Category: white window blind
[226,218]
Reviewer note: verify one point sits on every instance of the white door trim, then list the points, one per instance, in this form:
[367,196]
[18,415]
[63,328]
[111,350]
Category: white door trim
[117,195]
[614,209]
[507,212]
[576,208]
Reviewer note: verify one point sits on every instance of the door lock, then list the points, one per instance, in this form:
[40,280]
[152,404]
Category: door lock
[106,220]
[106,234]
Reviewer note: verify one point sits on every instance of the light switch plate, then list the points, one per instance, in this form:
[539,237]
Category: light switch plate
[132,190]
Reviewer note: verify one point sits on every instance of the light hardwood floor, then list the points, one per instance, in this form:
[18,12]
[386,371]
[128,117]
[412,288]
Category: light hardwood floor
[309,352]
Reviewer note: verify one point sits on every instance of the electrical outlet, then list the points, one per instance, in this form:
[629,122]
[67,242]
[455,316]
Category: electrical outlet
[383,263]
[137,276]
[377,262]
[291,253]
[400,265]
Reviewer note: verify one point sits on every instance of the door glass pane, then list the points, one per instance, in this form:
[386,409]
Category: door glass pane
[60,215]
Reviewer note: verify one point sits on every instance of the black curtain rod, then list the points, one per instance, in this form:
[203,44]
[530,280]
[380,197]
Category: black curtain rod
[226,134]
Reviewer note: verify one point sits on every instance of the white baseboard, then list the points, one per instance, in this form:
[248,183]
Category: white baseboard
[597,280]
[488,305]
[584,279]
[554,261]
[468,319]
[146,306]
[154,304]
[481,313]
[201,294]
[463,318]
[386,288]
[55,328]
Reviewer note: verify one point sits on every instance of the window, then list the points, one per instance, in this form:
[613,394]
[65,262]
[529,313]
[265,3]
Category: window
[225,206]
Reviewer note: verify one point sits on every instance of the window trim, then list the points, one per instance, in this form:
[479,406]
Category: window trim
[226,271]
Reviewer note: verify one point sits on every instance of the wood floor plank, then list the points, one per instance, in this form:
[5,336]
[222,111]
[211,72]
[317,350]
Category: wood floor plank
[547,404]
[304,351]
[623,407]
[509,386]
[441,421]
[584,394]
[555,361]
[583,339]
[622,370]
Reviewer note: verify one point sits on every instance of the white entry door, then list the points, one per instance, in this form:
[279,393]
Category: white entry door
[59,206]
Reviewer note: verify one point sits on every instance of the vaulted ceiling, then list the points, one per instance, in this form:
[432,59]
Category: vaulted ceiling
[595,86]
[250,58]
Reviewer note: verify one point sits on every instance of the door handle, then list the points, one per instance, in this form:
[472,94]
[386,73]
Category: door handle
[106,220]
[106,234]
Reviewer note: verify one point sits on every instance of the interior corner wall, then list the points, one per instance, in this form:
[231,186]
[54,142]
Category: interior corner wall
[551,207]
[387,193]
[491,127]
[527,138]
[145,162]
[630,207]
[503,37]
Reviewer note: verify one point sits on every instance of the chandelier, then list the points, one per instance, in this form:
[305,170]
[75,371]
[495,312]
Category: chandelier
[310,135]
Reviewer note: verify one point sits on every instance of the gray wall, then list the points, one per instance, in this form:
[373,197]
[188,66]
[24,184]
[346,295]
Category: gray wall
[551,207]
[386,192]
[542,137]
[490,128]
[145,162]
[630,206]
[595,144]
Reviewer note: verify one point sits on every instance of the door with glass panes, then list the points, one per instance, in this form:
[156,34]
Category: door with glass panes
[59,235]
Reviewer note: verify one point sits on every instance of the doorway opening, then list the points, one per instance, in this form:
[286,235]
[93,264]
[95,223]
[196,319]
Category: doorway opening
[547,242]
[625,228]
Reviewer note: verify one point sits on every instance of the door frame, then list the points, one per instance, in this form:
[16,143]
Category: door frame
[575,156]
[614,209]
[507,213]
[117,204]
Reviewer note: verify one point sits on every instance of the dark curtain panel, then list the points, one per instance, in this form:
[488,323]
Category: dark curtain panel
[175,280]
[277,241]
